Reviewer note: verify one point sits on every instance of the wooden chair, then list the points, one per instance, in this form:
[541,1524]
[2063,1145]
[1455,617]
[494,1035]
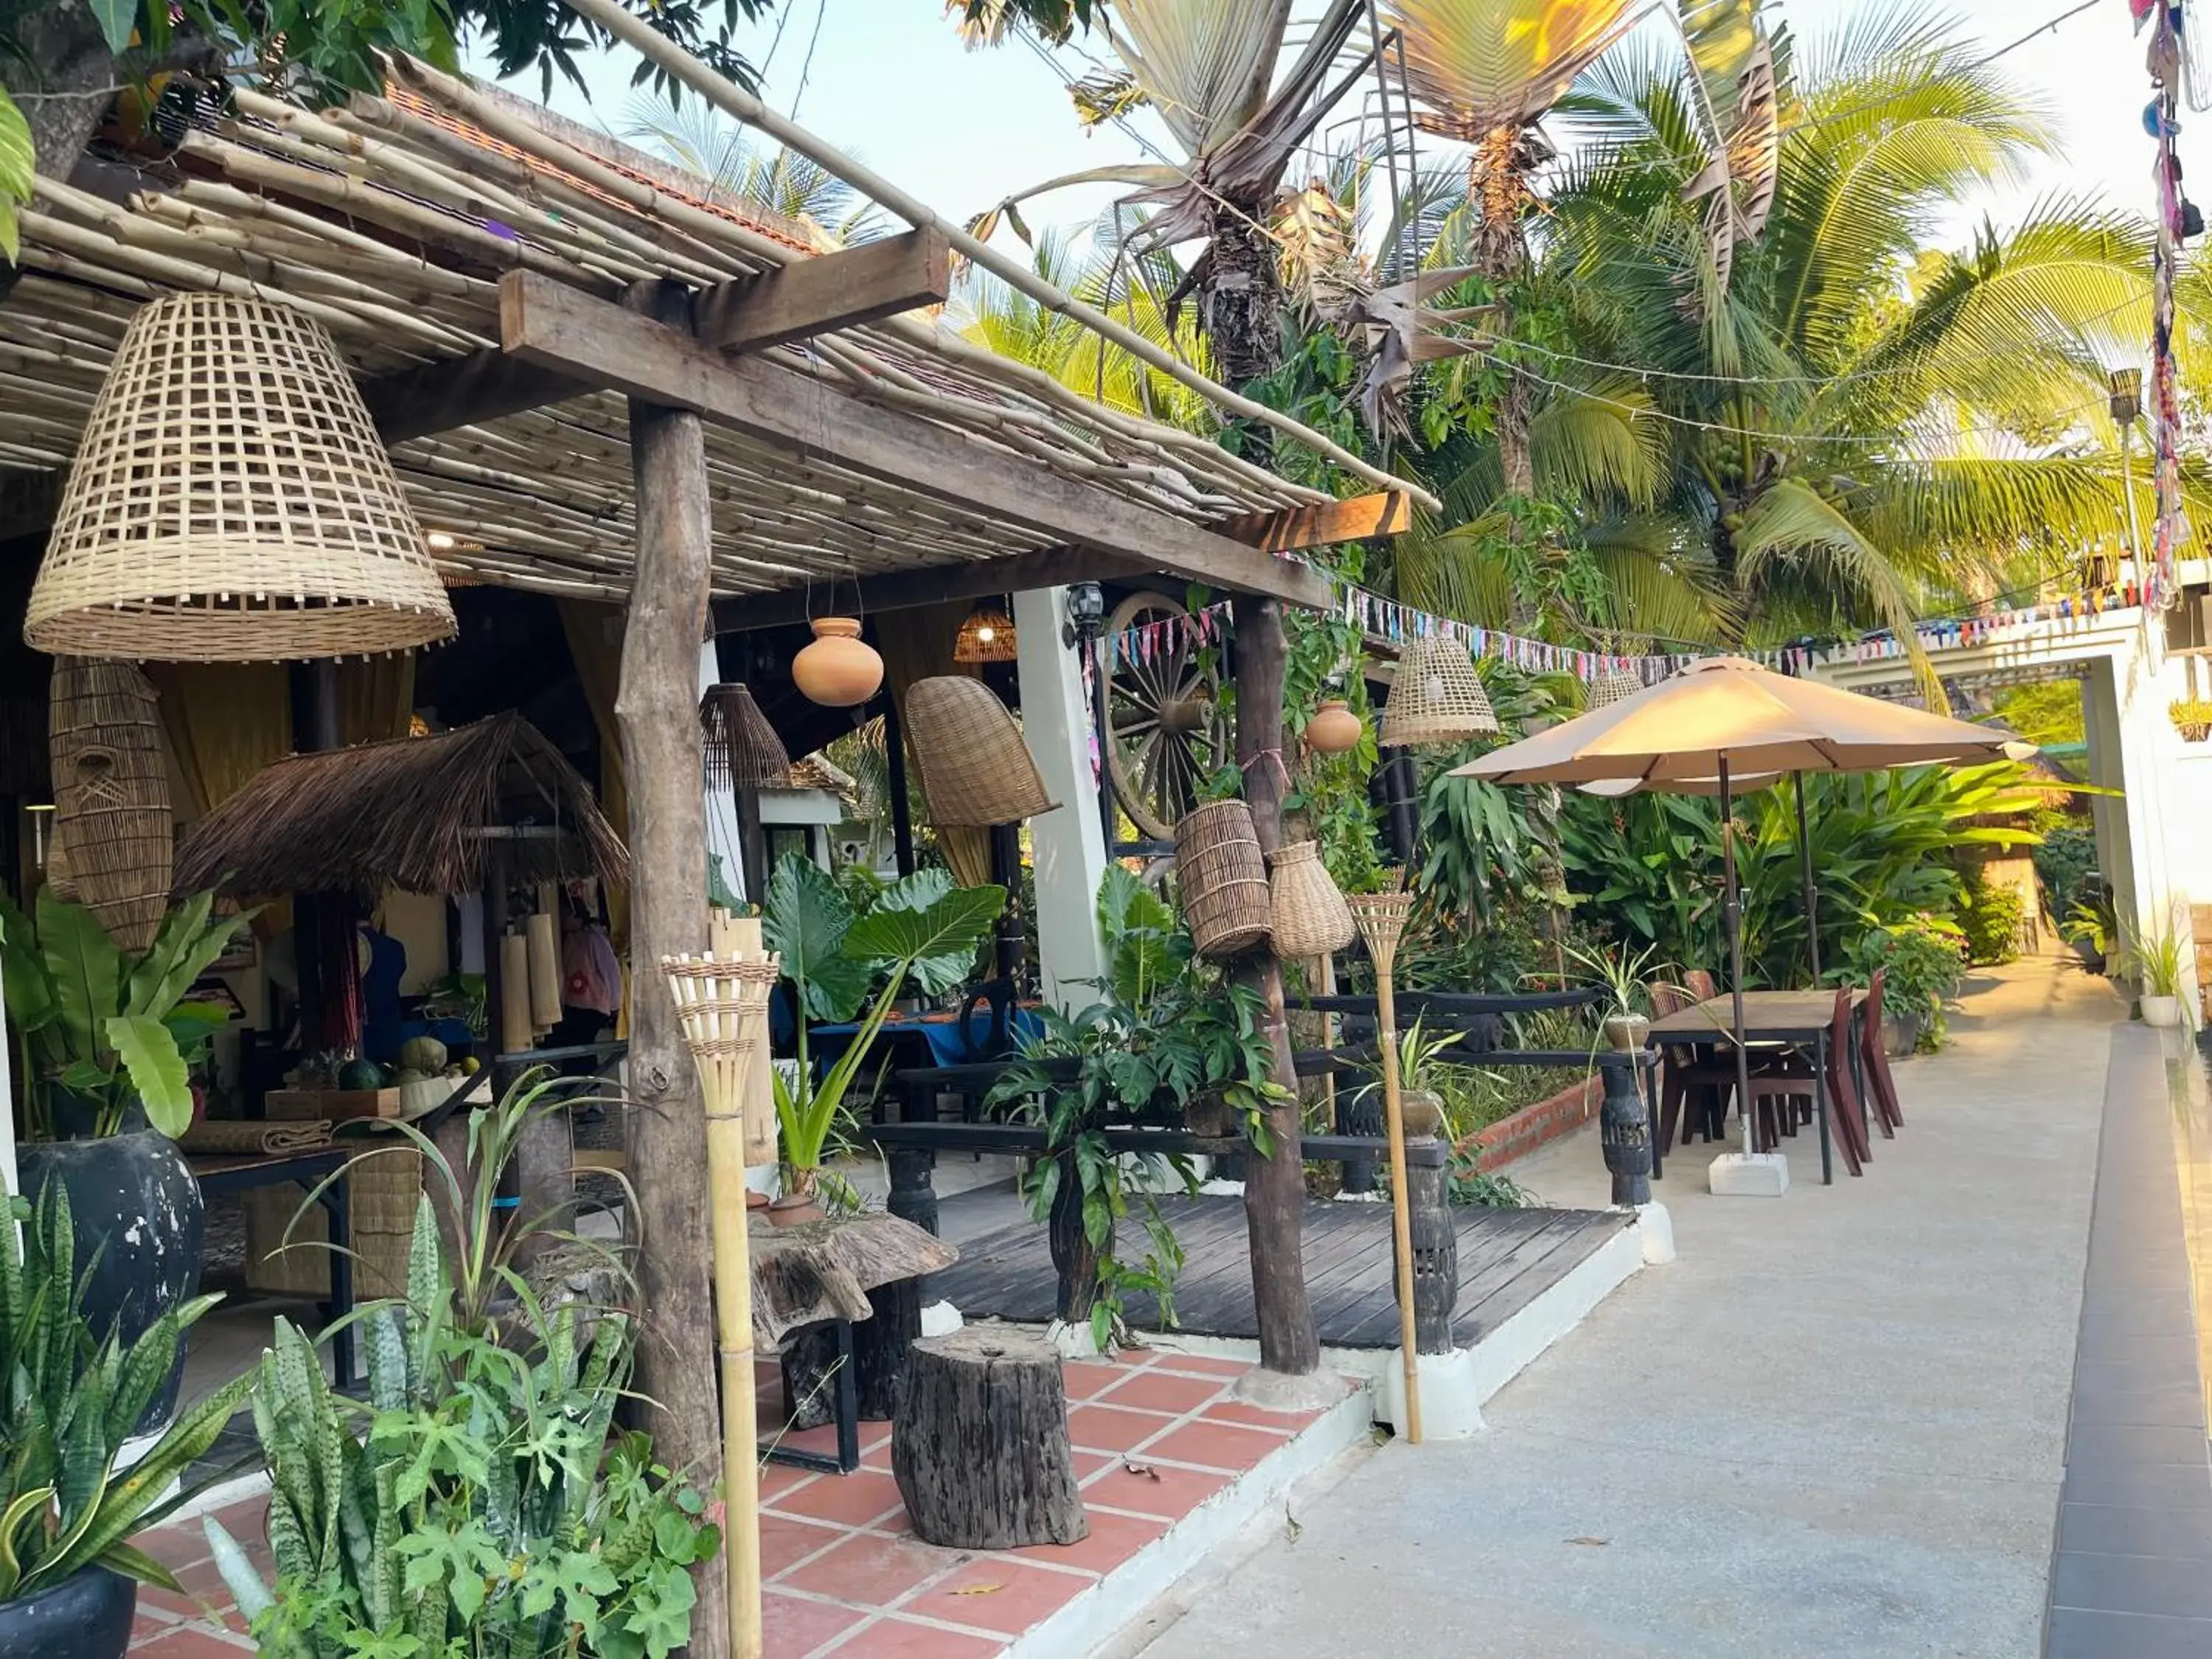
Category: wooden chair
[1700,985]
[1778,1092]
[1695,1084]
[1873,1060]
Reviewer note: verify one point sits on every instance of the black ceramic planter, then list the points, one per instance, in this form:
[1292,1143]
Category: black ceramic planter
[85,1616]
[133,1201]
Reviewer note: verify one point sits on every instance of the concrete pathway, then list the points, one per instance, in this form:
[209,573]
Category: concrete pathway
[1835,1427]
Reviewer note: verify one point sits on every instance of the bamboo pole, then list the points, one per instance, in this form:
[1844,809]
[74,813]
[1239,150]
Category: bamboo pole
[735,100]
[722,998]
[1381,918]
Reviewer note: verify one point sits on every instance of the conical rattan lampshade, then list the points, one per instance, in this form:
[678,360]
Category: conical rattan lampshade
[1438,697]
[988,636]
[743,750]
[231,502]
[1609,689]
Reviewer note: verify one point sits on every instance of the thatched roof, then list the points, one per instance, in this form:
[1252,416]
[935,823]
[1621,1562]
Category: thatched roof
[408,813]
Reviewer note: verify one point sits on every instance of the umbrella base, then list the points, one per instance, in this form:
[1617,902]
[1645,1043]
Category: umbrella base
[1748,1174]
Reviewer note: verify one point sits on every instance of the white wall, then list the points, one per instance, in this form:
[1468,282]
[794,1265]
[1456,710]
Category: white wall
[1067,846]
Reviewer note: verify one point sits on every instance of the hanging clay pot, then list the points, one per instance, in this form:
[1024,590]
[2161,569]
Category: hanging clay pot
[839,669]
[1334,729]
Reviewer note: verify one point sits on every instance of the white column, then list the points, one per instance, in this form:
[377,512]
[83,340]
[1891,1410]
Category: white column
[1067,846]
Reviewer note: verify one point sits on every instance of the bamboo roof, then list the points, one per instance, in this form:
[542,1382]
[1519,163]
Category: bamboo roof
[392,218]
[409,813]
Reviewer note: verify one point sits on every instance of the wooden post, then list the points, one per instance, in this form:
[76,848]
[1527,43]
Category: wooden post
[656,708]
[1274,1186]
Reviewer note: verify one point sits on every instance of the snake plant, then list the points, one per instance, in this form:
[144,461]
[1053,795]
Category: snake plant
[72,1398]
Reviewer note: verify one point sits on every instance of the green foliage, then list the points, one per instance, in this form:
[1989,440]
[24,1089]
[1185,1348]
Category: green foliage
[1166,1028]
[1649,864]
[15,173]
[107,1025]
[474,1505]
[1923,963]
[1469,1185]
[72,1399]
[2160,957]
[2065,859]
[2044,712]
[920,927]
[1328,793]
[1990,918]
[2091,924]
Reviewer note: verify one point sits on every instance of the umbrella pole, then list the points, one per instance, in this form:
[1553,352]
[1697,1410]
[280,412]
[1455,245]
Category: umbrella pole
[1732,919]
[1805,869]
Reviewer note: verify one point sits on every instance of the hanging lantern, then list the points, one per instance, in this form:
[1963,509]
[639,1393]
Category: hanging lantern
[976,770]
[988,636]
[1438,697]
[839,669]
[1333,728]
[1609,689]
[231,502]
[743,750]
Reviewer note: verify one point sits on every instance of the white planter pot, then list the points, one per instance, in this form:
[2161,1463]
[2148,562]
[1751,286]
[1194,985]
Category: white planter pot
[2161,1010]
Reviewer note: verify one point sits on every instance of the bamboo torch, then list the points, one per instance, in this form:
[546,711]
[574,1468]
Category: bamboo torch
[723,999]
[1381,918]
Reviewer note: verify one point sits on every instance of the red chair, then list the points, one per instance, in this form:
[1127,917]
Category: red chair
[1873,1060]
[1778,1092]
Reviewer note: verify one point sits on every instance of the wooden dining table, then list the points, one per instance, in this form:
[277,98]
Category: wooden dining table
[1800,1018]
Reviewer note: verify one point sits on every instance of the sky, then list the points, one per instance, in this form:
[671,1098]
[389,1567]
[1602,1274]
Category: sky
[889,81]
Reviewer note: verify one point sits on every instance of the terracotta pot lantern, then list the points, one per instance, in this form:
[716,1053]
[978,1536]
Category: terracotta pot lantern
[839,669]
[1334,729]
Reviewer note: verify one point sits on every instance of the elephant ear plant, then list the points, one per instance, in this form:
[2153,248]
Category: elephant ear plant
[921,929]
[108,1027]
[72,1397]
[476,1503]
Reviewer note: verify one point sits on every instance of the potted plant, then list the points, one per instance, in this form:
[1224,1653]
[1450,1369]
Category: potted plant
[1422,1082]
[2160,958]
[1624,976]
[2092,929]
[1922,964]
[67,1573]
[922,928]
[479,1501]
[2191,717]
[105,1041]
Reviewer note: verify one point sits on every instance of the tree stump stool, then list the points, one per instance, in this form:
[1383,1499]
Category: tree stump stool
[980,1446]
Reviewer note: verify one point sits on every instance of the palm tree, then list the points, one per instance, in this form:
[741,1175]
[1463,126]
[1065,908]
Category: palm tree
[701,139]
[1856,430]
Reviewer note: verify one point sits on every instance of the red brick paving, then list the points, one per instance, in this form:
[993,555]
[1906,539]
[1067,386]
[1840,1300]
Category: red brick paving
[1156,1436]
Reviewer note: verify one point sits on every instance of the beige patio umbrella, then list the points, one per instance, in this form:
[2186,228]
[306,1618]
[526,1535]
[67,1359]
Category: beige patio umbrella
[1727,719]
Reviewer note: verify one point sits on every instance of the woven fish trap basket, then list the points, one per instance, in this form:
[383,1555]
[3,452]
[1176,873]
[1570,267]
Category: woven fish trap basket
[231,502]
[114,841]
[1308,915]
[1223,880]
[1609,689]
[1437,698]
[381,1193]
[977,771]
[743,750]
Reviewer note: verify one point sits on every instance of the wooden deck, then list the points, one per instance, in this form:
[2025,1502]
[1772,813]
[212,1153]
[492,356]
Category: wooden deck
[1506,1259]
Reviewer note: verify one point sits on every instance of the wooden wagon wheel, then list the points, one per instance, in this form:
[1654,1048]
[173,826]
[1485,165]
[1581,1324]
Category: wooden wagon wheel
[1167,731]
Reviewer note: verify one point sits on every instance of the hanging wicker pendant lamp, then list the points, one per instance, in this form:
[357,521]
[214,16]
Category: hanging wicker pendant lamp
[743,750]
[988,636]
[1438,697]
[1609,689]
[231,502]
[976,769]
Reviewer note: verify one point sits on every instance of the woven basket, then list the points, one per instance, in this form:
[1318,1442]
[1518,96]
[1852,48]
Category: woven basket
[114,840]
[1223,879]
[988,636]
[743,750]
[976,769]
[381,1193]
[1609,689]
[1437,698]
[231,502]
[1309,916]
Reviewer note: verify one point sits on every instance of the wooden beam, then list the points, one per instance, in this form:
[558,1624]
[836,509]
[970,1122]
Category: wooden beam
[855,285]
[439,397]
[558,328]
[905,590]
[1386,512]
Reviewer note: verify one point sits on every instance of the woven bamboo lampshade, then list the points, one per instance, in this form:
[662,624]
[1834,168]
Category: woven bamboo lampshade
[231,502]
[114,839]
[977,771]
[743,750]
[1609,689]
[988,636]
[1438,697]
